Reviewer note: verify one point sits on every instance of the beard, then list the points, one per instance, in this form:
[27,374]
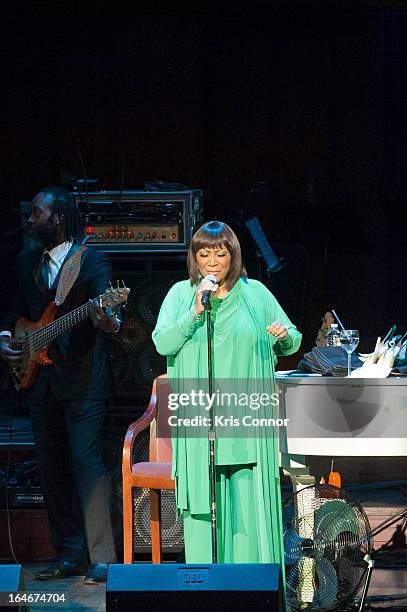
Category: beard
[44,234]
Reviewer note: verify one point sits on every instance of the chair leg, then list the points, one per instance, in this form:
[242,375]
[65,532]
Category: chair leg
[128,524]
[155,505]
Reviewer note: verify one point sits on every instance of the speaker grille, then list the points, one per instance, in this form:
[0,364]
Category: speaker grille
[133,357]
[172,532]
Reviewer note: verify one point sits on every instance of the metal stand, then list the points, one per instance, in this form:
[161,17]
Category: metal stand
[370,564]
[211,437]
[369,558]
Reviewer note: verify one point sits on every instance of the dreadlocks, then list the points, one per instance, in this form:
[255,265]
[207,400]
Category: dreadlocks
[66,208]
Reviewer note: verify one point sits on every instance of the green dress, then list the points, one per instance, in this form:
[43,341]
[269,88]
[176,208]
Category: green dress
[247,473]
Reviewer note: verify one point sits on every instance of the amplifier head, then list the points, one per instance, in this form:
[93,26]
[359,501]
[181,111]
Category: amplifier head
[140,221]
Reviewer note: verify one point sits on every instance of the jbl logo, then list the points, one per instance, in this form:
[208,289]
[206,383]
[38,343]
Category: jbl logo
[193,577]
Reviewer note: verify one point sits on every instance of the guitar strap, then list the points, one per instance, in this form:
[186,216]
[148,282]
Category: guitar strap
[69,274]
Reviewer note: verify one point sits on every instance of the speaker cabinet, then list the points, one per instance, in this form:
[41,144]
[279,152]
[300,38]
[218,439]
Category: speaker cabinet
[133,357]
[201,587]
[11,582]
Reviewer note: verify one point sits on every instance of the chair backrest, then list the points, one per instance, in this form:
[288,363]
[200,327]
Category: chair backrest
[160,437]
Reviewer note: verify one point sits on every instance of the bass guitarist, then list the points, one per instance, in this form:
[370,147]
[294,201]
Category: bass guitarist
[67,399]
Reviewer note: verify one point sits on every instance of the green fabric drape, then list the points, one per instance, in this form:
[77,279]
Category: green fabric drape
[242,350]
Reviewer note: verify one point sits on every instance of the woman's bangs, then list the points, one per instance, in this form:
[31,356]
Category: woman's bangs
[211,240]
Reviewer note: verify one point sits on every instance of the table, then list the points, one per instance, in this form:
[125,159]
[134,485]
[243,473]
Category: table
[332,416]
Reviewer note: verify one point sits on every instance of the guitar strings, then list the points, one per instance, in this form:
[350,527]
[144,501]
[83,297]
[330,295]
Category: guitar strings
[48,333]
[40,338]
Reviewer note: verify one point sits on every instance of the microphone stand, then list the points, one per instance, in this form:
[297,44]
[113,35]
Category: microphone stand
[211,435]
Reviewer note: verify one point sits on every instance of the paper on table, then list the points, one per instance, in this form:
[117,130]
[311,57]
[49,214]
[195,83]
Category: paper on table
[295,373]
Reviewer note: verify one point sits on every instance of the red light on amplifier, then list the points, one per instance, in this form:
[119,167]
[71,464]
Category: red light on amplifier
[89,229]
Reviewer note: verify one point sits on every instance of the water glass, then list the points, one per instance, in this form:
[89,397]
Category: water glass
[349,339]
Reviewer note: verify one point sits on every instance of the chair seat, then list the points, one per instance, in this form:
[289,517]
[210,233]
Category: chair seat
[152,475]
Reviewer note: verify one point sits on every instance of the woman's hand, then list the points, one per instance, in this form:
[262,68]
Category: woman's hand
[204,286]
[277,330]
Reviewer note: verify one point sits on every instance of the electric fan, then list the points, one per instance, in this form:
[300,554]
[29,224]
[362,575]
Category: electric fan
[326,537]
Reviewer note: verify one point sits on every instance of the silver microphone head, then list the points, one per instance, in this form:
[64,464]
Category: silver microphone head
[211,278]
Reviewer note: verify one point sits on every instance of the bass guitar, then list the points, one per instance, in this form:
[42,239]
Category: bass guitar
[35,338]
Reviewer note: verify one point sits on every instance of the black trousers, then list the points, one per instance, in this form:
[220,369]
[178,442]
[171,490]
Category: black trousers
[76,484]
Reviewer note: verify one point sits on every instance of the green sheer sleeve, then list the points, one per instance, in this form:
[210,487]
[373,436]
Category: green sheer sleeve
[176,321]
[292,343]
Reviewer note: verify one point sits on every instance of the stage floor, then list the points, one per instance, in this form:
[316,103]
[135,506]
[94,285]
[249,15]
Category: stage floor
[388,590]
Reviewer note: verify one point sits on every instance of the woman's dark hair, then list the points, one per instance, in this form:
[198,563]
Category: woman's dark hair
[66,208]
[213,235]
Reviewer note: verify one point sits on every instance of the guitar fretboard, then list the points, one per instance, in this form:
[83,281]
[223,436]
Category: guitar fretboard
[44,336]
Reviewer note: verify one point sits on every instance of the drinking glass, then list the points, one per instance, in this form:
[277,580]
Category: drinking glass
[349,339]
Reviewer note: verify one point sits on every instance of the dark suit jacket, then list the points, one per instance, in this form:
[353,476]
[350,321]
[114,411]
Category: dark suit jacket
[80,368]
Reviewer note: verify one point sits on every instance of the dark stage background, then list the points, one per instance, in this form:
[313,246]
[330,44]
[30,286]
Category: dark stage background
[286,110]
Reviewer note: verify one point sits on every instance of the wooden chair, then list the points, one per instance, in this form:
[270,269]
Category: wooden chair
[154,475]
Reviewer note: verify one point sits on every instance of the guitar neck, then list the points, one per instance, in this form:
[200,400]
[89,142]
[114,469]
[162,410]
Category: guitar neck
[45,335]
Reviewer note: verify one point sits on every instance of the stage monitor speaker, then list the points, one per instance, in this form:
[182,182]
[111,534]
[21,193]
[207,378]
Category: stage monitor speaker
[198,587]
[11,582]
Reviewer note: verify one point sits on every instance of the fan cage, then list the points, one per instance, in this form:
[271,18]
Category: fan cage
[326,537]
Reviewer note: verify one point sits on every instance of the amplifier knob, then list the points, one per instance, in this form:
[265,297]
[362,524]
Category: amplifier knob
[173,235]
[113,234]
[125,235]
[147,235]
[119,235]
[125,228]
[153,235]
[113,229]
[139,235]
[131,234]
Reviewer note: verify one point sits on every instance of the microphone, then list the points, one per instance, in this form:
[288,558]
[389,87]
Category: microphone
[207,294]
